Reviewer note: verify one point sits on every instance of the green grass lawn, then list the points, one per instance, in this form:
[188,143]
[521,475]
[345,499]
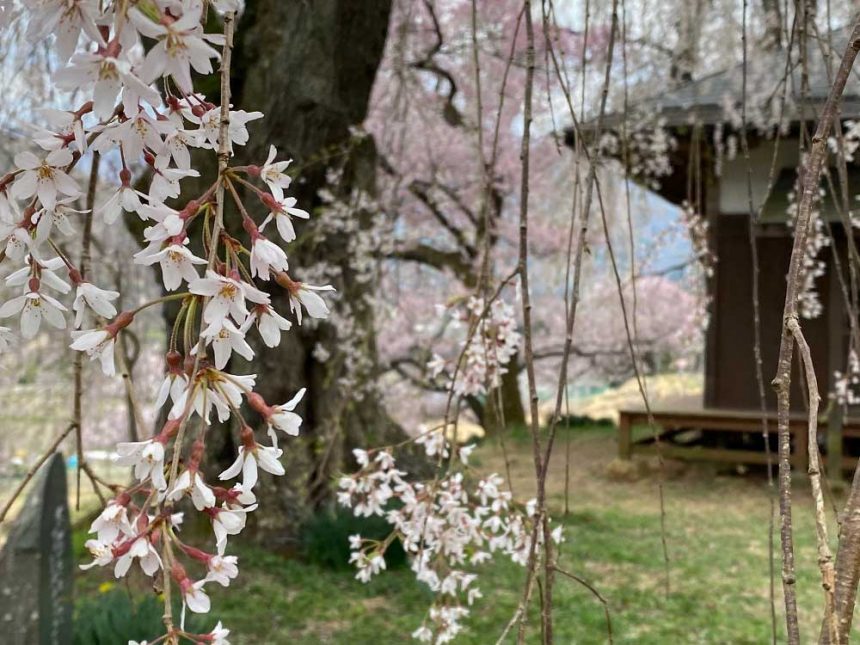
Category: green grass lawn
[717,532]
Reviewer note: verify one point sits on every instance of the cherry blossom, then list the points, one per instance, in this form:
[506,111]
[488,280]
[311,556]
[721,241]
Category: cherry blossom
[110,57]
[34,306]
[194,597]
[279,417]
[177,264]
[137,133]
[305,296]
[46,271]
[99,300]
[210,126]
[140,549]
[225,338]
[443,527]
[177,140]
[106,76]
[281,210]
[266,457]
[190,482]
[112,522]
[272,172]
[125,199]
[68,129]
[65,19]
[270,324]
[218,636]
[46,219]
[45,178]
[175,381]
[147,458]
[214,389]
[222,569]
[98,344]
[165,180]
[102,554]
[265,257]
[226,297]
[228,521]
[181,45]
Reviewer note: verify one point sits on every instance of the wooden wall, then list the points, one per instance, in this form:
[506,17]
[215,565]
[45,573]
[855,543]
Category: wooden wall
[730,378]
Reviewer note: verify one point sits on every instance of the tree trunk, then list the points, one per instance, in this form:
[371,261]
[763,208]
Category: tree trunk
[772,37]
[503,407]
[686,54]
[309,67]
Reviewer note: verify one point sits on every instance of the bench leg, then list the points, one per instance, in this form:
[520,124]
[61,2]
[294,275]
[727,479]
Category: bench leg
[834,446]
[801,449]
[625,437]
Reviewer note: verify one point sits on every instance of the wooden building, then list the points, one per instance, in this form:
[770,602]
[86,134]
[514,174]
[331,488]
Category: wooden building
[702,117]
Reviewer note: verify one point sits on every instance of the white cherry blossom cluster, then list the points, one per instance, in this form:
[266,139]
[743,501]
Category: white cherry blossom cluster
[846,387]
[814,267]
[492,340]
[698,233]
[447,528]
[357,220]
[725,147]
[647,149]
[132,65]
[850,140]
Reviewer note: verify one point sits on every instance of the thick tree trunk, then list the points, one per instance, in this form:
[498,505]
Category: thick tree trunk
[504,406]
[772,37]
[686,53]
[309,67]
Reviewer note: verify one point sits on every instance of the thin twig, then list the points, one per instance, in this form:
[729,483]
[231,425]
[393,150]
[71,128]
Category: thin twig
[78,365]
[756,309]
[34,469]
[596,594]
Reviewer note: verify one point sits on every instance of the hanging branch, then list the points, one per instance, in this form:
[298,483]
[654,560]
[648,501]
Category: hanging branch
[754,217]
[811,172]
[522,269]
[34,469]
[593,182]
[600,598]
[78,366]
[825,557]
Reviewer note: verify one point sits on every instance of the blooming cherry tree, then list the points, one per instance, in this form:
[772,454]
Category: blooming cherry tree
[132,64]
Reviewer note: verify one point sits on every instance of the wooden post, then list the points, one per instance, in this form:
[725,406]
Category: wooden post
[625,437]
[835,421]
[836,321]
[801,448]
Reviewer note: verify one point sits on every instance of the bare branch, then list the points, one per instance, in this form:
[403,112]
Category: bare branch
[810,175]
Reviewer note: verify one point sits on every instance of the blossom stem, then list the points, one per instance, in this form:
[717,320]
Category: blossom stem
[238,200]
[69,265]
[250,185]
[163,299]
[183,310]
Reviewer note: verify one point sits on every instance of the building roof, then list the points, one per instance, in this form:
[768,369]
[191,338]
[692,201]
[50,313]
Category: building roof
[705,100]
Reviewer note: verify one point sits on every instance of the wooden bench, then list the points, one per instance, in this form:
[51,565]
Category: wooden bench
[671,422]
